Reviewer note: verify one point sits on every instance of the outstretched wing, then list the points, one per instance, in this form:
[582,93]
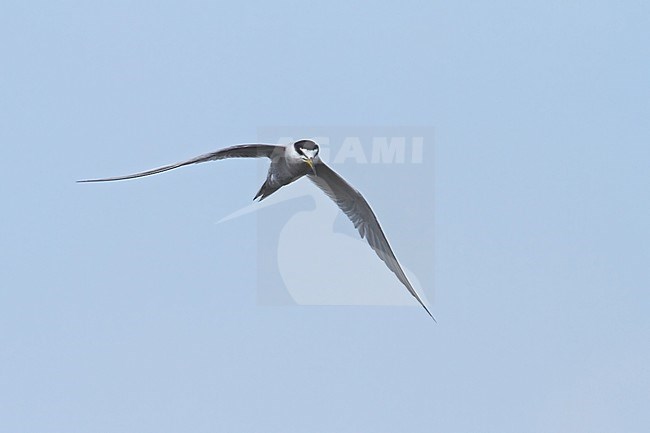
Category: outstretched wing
[239,151]
[352,203]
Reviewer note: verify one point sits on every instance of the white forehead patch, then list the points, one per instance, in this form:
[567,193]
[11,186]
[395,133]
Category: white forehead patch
[310,153]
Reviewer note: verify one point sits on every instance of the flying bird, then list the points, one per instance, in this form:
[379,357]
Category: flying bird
[288,164]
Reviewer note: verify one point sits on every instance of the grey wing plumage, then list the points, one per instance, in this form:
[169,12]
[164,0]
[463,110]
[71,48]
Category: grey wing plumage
[357,209]
[239,151]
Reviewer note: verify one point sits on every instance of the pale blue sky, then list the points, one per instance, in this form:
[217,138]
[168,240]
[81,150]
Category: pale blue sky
[125,308]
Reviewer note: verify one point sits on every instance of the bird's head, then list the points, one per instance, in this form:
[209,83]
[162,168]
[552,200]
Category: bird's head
[307,150]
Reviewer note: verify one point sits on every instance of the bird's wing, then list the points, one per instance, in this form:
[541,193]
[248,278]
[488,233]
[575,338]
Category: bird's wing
[352,203]
[239,151]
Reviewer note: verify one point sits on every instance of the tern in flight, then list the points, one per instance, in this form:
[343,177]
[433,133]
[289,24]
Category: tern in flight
[290,163]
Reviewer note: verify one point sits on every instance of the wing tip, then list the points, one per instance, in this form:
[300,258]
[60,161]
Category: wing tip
[425,308]
[429,313]
[95,180]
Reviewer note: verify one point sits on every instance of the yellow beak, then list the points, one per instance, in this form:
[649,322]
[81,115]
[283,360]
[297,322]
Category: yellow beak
[310,163]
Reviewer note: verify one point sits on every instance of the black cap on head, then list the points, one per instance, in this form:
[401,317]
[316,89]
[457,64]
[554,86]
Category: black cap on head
[306,145]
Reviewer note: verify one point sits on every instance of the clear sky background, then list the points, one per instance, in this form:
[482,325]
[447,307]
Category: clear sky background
[125,308]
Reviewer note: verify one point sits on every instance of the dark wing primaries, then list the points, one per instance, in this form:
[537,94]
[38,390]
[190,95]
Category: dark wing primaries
[357,209]
[239,151]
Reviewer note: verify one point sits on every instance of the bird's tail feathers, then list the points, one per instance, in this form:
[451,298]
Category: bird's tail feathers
[266,190]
